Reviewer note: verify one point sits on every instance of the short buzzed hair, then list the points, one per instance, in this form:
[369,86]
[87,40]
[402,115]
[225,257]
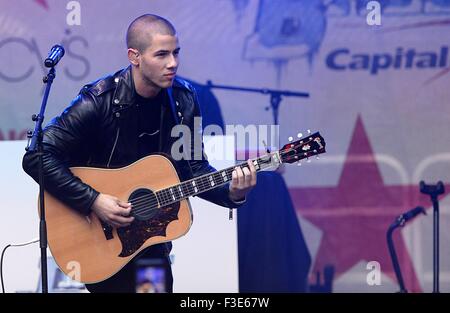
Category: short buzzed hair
[140,31]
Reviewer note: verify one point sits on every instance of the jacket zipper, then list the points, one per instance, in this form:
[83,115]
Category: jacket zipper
[114,147]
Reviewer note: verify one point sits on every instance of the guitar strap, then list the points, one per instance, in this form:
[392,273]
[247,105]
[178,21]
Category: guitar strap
[172,106]
[176,116]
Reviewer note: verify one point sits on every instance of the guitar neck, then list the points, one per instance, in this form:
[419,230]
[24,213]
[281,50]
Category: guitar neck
[211,181]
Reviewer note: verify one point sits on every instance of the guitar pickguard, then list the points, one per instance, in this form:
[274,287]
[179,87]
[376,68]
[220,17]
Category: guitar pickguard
[134,236]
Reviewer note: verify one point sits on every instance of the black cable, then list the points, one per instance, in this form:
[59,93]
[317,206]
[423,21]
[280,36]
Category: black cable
[1,267]
[3,253]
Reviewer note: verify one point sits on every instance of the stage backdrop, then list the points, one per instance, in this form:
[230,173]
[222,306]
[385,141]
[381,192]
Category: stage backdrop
[379,94]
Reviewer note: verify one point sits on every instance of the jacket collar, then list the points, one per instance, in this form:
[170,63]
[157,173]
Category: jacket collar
[125,93]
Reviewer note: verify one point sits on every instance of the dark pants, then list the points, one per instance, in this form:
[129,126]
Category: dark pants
[124,281]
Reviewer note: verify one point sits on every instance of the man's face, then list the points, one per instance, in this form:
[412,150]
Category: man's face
[159,62]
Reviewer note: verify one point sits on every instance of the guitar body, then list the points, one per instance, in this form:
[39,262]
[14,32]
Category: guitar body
[90,251]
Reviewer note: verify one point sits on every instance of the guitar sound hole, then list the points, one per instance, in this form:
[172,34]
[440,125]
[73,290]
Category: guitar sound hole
[144,204]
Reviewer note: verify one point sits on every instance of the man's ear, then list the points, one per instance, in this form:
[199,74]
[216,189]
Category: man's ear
[133,56]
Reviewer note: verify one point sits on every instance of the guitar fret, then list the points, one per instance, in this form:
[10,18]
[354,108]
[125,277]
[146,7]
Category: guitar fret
[211,182]
[202,183]
[185,188]
[178,192]
[207,181]
[216,178]
[175,194]
[166,196]
[190,188]
[224,176]
[158,197]
[194,185]
[256,164]
[230,173]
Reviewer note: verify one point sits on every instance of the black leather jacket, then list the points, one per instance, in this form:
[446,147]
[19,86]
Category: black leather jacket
[99,129]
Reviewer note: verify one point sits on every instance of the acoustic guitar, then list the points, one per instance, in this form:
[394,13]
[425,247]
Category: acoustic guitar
[89,250]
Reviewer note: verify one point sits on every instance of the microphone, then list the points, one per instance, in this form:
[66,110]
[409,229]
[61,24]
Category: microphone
[413,213]
[403,218]
[54,56]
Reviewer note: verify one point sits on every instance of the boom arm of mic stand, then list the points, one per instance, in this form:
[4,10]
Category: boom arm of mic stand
[400,222]
[275,95]
[394,258]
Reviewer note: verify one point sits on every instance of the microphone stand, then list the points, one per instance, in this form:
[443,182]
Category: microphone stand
[275,95]
[433,191]
[394,258]
[400,222]
[36,147]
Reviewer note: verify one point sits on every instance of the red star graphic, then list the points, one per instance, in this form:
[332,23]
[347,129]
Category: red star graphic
[43,3]
[355,215]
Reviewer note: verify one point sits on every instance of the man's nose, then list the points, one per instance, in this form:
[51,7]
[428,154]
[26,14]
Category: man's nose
[173,62]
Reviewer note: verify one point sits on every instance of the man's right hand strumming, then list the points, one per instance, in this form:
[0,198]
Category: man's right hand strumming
[112,211]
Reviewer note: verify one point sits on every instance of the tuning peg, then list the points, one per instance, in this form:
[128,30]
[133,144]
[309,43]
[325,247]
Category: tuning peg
[317,157]
[299,163]
[265,146]
[290,139]
[299,135]
[309,131]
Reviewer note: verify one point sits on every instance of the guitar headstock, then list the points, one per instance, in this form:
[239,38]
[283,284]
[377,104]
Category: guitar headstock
[302,148]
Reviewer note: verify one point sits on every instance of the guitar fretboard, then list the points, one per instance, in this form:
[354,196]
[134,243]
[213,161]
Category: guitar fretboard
[207,182]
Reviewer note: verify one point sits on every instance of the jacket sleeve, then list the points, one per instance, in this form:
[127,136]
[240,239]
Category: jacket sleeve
[219,195]
[64,140]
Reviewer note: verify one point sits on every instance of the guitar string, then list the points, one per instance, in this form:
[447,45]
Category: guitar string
[141,206]
[201,183]
[167,198]
[166,195]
